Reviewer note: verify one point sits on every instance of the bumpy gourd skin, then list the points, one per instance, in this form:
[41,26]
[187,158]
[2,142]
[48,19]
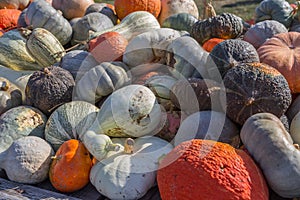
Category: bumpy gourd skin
[226,26]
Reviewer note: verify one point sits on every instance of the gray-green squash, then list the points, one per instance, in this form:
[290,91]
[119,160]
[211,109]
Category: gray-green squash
[180,22]
[104,9]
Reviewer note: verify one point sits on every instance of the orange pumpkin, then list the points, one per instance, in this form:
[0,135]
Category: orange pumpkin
[211,43]
[108,46]
[70,168]
[282,52]
[9,18]
[124,7]
[205,169]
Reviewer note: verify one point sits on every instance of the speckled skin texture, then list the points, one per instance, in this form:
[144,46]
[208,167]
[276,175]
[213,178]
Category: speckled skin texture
[203,169]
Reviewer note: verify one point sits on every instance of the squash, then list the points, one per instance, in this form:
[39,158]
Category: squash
[10,95]
[93,22]
[208,125]
[72,8]
[149,47]
[18,122]
[281,52]
[107,47]
[263,134]
[186,58]
[129,111]
[262,31]
[205,169]
[211,43]
[225,26]
[69,121]
[130,172]
[293,109]
[279,10]
[103,8]
[294,130]
[123,8]
[13,53]
[70,167]
[14,4]
[21,20]
[48,88]
[40,14]
[254,88]
[43,46]
[228,54]
[9,18]
[27,160]
[180,22]
[101,81]
[171,7]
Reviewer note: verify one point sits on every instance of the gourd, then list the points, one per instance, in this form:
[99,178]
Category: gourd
[40,14]
[43,46]
[293,109]
[27,160]
[211,43]
[208,125]
[186,58]
[180,22]
[279,10]
[228,54]
[294,130]
[281,52]
[104,8]
[93,22]
[254,88]
[14,4]
[130,172]
[149,47]
[13,53]
[193,167]
[171,7]
[225,26]
[263,134]
[9,18]
[18,122]
[262,31]
[69,121]
[129,111]
[10,95]
[48,88]
[101,81]
[70,167]
[123,8]
[72,8]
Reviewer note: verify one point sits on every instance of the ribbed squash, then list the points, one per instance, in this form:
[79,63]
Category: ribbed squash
[180,22]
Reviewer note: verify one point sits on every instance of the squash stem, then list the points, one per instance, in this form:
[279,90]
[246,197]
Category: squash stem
[4,86]
[128,146]
[113,147]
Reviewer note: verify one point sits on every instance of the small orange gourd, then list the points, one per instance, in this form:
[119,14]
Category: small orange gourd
[70,167]
[211,43]
[9,18]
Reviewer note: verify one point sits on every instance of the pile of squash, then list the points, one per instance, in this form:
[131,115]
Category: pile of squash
[144,94]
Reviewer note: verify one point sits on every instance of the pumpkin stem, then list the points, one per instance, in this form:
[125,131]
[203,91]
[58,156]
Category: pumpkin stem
[128,146]
[113,147]
[47,71]
[249,101]
[297,146]
[25,32]
[4,86]
[56,157]
[209,10]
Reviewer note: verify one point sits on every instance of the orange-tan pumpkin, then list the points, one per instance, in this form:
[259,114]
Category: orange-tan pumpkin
[211,43]
[9,18]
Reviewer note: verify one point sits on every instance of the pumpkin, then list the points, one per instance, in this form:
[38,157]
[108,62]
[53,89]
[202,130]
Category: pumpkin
[18,122]
[109,46]
[78,62]
[293,109]
[9,18]
[21,20]
[294,130]
[72,8]
[10,95]
[69,121]
[123,8]
[129,111]
[70,167]
[130,172]
[180,22]
[43,46]
[186,58]
[264,134]
[281,52]
[13,53]
[101,81]
[211,43]
[225,26]
[205,169]
[254,88]
[14,4]
[40,14]
[171,7]
[48,88]
[279,10]
[262,31]
[149,47]
[104,8]
[228,54]
[27,160]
